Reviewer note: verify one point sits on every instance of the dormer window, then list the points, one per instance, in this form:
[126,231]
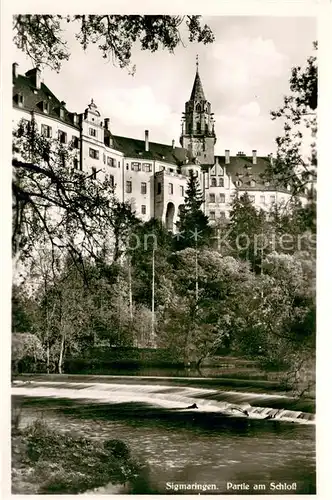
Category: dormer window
[252,183]
[20,100]
[45,107]
[267,183]
[238,183]
[62,113]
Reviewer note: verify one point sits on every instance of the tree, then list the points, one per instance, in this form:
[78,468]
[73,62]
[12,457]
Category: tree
[193,326]
[41,37]
[148,237]
[247,230]
[275,316]
[61,207]
[193,225]
[293,166]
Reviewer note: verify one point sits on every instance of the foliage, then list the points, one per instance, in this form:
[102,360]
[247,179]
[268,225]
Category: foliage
[26,349]
[193,226]
[293,166]
[41,37]
[67,464]
[247,231]
[57,206]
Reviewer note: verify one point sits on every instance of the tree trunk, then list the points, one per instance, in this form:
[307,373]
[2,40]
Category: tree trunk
[61,354]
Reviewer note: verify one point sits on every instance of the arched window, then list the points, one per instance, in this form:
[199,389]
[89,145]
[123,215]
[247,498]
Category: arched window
[198,108]
[221,182]
[198,127]
[213,182]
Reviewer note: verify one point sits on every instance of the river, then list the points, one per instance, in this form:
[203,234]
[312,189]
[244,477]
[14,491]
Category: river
[236,437]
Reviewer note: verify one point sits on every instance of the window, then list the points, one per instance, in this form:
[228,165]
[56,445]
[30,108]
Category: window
[198,127]
[159,188]
[252,183]
[198,108]
[136,166]
[238,183]
[143,187]
[46,107]
[252,198]
[213,182]
[127,166]
[262,199]
[20,100]
[267,183]
[222,198]
[181,190]
[93,153]
[104,158]
[170,188]
[46,131]
[222,215]
[75,141]
[62,113]
[62,136]
[92,132]
[147,167]
[118,164]
[221,182]
[212,198]
[128,187]
[111,162]
[143,209]
[212,215]
[94,173]
[272,199]
[111,178]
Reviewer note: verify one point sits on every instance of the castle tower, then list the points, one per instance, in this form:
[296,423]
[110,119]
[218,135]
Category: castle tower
[198,134]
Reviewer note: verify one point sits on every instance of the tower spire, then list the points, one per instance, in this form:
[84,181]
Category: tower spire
[197,92]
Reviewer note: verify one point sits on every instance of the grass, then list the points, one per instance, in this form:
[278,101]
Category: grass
[49,462]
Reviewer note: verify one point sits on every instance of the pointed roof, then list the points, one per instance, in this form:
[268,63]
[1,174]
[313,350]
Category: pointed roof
[197,93]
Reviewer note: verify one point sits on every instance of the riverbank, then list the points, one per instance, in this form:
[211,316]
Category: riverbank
[46,461]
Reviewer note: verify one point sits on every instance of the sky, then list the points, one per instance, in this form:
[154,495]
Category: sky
[245,74]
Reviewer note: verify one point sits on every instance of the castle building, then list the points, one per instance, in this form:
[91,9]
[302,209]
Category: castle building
[152,177]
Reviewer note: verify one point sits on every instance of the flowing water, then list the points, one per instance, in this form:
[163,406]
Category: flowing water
[233,437]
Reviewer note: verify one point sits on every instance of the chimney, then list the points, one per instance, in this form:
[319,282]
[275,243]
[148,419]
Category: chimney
[106,123]
[75,119]
[35,76]
[173,144]
[254,156]
[15,66]
[227,158]
[146,140]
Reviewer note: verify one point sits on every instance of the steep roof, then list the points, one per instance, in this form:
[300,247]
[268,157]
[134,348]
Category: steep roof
[197,93]
[135,148]
[33,98]
[241,168]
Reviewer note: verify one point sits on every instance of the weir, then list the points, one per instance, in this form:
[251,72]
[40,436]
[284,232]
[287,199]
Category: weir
[230,403]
